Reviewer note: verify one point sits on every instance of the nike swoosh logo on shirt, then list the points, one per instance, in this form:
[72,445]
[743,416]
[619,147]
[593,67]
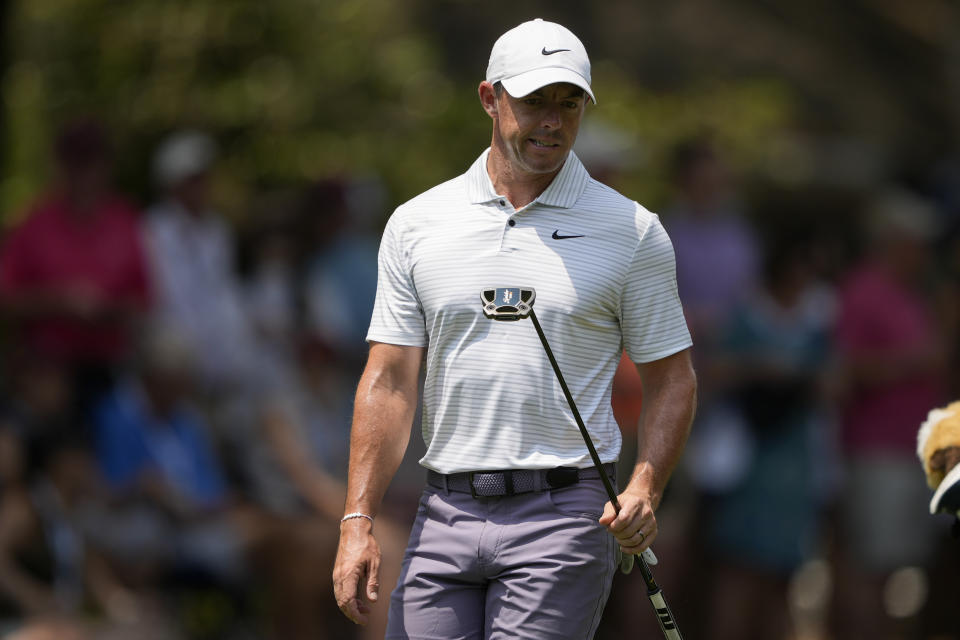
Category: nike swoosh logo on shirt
[545,52]
[556,236]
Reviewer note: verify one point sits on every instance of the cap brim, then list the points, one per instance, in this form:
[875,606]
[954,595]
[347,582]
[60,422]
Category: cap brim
[526,83]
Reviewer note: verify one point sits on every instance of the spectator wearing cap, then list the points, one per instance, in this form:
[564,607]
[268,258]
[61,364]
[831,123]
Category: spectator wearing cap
[718,269]
[72,275]
[893,362]
[191,251]
[201,297]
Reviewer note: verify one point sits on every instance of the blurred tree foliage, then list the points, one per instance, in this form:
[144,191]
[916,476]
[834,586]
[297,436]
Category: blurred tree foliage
[292,90]
[302,89]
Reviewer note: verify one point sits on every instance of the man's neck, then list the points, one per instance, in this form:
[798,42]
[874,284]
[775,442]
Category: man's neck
[520,188]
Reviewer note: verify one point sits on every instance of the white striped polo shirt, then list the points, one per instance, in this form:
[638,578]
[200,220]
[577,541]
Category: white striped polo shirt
[603,269]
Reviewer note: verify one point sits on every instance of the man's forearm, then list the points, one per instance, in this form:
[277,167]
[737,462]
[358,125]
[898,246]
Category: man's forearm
[669,403]
[383,414]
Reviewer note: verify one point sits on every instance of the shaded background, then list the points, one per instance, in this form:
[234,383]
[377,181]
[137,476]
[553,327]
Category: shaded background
[323,109]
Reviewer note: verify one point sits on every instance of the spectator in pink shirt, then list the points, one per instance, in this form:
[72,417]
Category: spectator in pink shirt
[72,274]
[894,362]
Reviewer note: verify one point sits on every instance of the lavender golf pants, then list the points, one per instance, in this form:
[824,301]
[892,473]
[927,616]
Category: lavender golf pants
[532,566]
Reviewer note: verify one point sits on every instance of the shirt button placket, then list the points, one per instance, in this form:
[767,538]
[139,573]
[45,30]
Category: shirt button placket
[511,222]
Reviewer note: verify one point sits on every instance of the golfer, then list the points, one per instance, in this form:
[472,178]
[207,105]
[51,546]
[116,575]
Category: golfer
[514,536]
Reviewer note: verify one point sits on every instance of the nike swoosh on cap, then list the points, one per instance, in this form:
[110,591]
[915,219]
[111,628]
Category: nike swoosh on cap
[556,236]
[545,52]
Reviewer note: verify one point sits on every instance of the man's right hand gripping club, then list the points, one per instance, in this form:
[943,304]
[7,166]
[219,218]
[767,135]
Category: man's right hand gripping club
[356,574]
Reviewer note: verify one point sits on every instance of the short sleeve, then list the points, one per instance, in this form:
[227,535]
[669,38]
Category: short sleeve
[397,314]
[651,316]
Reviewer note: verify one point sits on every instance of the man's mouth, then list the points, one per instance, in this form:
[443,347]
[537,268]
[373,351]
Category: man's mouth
[543,144]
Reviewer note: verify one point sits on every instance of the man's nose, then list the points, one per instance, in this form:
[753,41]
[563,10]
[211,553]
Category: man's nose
[551,118]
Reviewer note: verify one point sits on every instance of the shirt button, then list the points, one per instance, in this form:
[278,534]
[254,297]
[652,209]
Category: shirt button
[503,203]
[511,222]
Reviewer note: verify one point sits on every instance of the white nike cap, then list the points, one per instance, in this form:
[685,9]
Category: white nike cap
[535,54]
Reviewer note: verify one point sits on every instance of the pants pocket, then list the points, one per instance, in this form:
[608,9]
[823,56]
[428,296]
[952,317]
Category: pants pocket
[582,500]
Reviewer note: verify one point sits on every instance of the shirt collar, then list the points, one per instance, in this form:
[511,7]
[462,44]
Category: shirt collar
[563,192]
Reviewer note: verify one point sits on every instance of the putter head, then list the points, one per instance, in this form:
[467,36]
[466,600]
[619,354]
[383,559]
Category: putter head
[507,303]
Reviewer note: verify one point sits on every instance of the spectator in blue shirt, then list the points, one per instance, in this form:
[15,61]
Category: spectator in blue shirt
[158,456]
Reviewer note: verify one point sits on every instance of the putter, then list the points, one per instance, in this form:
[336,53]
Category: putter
[515,303]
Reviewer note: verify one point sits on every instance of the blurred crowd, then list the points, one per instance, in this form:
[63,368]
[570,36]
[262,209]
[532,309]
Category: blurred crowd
[825,329]
[176,399]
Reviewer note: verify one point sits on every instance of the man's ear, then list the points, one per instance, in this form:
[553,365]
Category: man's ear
[488,98]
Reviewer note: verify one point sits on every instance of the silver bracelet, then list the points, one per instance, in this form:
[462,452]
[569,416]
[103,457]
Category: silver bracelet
[356,514]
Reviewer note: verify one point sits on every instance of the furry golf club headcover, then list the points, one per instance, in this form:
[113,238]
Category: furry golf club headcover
[938,446]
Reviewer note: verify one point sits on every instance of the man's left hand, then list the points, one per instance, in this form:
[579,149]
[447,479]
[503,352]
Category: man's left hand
[635,527]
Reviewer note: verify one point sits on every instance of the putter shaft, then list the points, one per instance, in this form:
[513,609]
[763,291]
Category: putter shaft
[664,616]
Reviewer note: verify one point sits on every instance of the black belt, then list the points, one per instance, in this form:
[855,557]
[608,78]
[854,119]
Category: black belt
[493,484]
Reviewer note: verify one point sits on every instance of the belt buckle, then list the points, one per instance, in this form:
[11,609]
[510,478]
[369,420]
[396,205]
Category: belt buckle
[507,484]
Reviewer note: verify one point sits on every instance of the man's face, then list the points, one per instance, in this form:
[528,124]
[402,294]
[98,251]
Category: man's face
[535,132]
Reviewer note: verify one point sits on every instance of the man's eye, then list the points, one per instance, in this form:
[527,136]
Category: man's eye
[571,105]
